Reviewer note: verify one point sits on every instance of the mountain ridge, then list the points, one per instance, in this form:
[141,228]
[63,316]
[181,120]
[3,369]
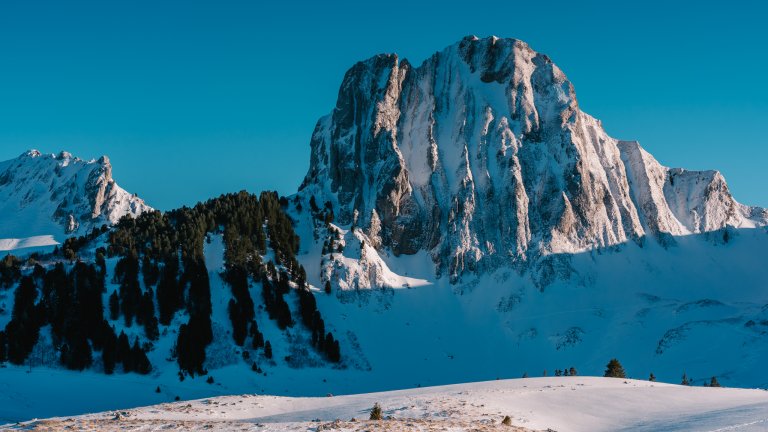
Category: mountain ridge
[60,195]
[482,157]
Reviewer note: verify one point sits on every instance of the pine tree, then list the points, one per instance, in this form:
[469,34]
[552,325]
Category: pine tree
[685,381]
[713,382]
[573,371]
[114,306]
[614,369]
[652,377]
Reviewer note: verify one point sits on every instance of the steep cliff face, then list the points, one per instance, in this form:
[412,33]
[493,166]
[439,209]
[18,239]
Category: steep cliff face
[482,157]
[60,195]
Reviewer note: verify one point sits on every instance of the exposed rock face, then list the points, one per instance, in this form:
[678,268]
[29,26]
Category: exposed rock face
[482,156]
[60,195]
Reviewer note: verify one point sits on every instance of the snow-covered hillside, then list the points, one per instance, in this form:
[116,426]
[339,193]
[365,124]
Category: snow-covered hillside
[45,198]
[564,404]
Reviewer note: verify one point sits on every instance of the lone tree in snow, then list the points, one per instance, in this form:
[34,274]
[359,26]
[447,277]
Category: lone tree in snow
[376,412]
[714,383]
[614,369]
[685,380]
[652,377]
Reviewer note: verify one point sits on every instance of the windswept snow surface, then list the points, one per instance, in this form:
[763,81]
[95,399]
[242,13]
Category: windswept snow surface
[564,404]
[29,244]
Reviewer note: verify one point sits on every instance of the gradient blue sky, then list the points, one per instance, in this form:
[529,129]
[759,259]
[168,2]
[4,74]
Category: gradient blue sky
[192,99]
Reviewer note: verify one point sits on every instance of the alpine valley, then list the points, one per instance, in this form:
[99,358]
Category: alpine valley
[461,220]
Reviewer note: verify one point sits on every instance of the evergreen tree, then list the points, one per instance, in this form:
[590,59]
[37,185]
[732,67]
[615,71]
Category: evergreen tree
[114,306]
[3,349]
[573,371]
[123,352]
[139,359]
[652,377]
[108,350]
[614,369]
[23,330]
[685,381]
[714,383]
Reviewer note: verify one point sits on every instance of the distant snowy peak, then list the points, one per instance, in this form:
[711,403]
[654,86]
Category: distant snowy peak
[482,157]
[60,195]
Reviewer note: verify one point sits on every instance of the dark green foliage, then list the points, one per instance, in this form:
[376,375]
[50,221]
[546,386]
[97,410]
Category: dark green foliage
[73,307]
[332,349]
[114,306]
[311,318]
[170,294]
[652,377]
[614,369]
[376,412]
[76,353]
[72,245]
[23,330]
[149,271]
[127,275]
[109,348]
[713,382]
[275,303]
[257,338]
[240,308]
[133,358]
[685,381]
[140,362]
[146,315]
[572,371]
[196,334]
[3,347]
[10,271]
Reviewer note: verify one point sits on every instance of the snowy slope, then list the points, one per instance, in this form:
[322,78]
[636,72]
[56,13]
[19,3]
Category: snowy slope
[45,198]
[565,404]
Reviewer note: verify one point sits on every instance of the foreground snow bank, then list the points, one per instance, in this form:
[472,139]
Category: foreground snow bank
[559,403]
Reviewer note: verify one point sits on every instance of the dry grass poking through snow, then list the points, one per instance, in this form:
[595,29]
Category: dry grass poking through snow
[392,425]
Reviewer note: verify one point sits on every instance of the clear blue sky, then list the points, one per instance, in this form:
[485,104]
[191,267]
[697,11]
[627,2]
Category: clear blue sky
[192,99]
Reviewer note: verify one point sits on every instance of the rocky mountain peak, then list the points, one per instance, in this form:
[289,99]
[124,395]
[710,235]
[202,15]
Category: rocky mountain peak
[482,157]
[60,195]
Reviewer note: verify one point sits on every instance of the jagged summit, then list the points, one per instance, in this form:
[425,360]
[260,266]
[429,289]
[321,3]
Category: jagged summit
[60,195]
[482,157]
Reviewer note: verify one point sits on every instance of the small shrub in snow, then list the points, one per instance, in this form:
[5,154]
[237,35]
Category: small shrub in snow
[376,413]
[507,421]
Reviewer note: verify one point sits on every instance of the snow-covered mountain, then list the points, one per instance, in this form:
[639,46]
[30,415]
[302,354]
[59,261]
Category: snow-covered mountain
[45,198]
[461,220]
[481,157]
